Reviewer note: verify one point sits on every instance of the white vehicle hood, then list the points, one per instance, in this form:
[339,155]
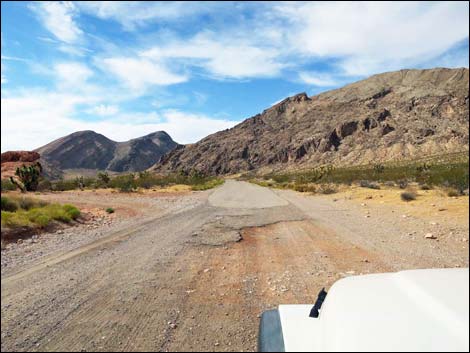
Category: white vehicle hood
[418,310]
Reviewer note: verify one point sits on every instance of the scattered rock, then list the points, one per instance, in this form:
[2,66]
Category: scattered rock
[430,236]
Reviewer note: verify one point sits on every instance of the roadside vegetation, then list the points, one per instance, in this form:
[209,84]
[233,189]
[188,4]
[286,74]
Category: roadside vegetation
[20,212]
[126,182]
[450,173]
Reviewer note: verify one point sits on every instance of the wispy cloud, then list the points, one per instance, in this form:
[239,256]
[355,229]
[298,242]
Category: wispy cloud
[139,73]
[368,37]
[104,110]
[222,56]
[318,79]
[134,14]
[58,18]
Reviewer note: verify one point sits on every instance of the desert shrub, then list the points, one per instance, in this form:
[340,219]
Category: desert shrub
[368,184]
[147,180]
[64,185]
[38,216]
[304,188]
[327,189]
[26,203]
[402,184]
[103,179]
[9,204]
[58,213]
[72,211]
[209,184]
[110,210]
[44,185]
[453,193]
[378,168]
[124,183]
[408,196]
[7,185]
[15,219]
[425,187]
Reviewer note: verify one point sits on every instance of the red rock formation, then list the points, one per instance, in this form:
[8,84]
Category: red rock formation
[14,159]
[20,156]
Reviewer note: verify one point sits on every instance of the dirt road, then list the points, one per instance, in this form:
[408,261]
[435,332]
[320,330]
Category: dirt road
[195,275]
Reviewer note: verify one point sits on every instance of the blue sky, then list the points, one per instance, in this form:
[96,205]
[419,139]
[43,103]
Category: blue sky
[125,69]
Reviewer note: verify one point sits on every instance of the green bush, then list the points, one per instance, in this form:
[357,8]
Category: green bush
[38,216]
[72,211]
[36,213]
[15,219]
[58,213]
[207,185]
[9,204]
[110,210]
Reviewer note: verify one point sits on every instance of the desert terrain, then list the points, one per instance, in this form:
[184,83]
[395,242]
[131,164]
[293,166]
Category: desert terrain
[178,270]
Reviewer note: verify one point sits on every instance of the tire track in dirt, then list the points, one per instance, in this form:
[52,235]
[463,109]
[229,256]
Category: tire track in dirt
[284,262]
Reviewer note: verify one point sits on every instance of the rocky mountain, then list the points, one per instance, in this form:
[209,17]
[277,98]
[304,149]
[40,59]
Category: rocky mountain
[90,150]
[390,116]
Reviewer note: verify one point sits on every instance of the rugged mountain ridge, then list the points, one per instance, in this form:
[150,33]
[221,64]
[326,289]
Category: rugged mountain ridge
[390,116]
[90,150]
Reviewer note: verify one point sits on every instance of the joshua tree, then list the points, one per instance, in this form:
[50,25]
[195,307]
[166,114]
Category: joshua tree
[28,177]
[80,182]
[104,178]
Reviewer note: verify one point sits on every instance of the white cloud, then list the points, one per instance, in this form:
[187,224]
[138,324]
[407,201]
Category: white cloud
[140,73]
[370,37]
[222,56]
[27,120]
[318,79]
[73,50]
[104,110]
[72,74]
[58,18]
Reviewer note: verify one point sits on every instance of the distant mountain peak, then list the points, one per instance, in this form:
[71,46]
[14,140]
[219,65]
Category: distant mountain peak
[88,149]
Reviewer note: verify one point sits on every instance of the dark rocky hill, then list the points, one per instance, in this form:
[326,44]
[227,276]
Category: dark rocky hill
[90,150]
[391,116]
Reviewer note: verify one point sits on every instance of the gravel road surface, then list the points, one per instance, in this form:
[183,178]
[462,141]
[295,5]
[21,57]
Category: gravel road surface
[194,271]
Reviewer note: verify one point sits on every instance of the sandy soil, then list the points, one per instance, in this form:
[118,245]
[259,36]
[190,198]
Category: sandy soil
[193,271]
